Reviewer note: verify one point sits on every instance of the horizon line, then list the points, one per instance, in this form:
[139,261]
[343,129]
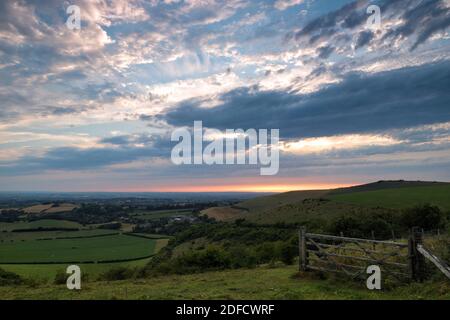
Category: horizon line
[278,188]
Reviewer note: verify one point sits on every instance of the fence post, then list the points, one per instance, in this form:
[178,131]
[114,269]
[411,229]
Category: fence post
[412,260]
[416,262]
[302,249]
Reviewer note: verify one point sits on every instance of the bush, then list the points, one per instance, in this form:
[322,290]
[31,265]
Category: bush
[9,278]
[210,258]
[426,216]
[349,225]
[60,277]
[288,252]
[118,273]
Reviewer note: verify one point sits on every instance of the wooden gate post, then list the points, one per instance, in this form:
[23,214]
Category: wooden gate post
[411,257]
[302,249]
[416,262]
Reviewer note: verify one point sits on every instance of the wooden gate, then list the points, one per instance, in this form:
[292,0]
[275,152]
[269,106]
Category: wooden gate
[352,256]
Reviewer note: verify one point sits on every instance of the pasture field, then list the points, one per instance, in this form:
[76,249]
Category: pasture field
[108,248]
[44,223]
[37,208]
[39,235]
[277,283]
[398,198]
[47,272]
[156,215]
[50,208]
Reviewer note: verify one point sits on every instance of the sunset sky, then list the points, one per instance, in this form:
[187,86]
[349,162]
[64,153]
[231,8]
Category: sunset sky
[93,109]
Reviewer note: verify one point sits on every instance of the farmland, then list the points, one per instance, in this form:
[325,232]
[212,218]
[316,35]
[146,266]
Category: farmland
[45,273]
[49,235]
[44,223]
[50,208]
[39,241]
[98,249]
[158,214]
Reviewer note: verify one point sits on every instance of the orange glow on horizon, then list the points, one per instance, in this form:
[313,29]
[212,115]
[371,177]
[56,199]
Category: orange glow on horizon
[276,188]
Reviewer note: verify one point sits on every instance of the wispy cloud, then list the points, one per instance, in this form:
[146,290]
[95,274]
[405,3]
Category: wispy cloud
[104,98]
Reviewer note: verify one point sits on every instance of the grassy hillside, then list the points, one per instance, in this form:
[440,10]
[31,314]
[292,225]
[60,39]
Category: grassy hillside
[398,197]
[308,210]
[299,206]
[271,283]
[382,185]
[273,201]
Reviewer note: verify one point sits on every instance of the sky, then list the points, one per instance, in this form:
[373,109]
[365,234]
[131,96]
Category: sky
[93,109]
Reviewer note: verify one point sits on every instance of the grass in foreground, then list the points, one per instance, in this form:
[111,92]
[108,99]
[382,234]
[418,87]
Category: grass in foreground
[261,283]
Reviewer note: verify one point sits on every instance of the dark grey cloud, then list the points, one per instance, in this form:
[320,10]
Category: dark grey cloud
[359,103]
[73,159]
[425,19]
[364,39]
[326,24]
[325,52]
[143,139]
[420,21]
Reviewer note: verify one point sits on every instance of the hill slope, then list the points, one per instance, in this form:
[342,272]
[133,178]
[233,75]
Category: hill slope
[398,198]
[297,206]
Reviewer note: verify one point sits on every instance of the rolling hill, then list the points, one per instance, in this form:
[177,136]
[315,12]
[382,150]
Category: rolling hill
[298,206]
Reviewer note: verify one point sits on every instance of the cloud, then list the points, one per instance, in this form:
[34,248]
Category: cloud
[410,22]
[325,52]
[76,159]
[364,39]
[284,4]
[359,103]
[349,95]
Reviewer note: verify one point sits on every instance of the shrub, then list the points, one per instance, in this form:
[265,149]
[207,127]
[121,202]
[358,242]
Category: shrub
[9,278]
[426,216]
[118,273]
[60,277]
[349,225]
[288,252]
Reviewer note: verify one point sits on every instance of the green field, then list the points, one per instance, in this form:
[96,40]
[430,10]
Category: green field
[47,272]
[156,215]
[37,235]
[44,223]
[399,197]
[260,283]
[114,247]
